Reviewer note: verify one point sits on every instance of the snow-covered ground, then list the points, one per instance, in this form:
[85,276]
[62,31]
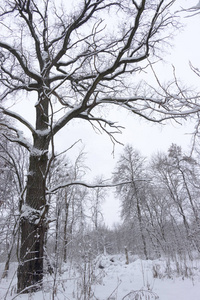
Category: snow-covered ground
[110,278]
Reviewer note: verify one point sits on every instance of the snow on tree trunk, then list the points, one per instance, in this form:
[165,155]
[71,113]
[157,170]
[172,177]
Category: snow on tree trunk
[33,224]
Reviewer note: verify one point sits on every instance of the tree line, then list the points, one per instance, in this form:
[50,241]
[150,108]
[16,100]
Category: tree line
[159,202]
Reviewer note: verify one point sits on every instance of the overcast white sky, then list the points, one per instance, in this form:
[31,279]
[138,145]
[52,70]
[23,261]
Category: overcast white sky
[146,137]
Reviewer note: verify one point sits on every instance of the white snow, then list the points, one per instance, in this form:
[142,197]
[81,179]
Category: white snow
[45,55]
[43,132]
[198,5]
[110,278]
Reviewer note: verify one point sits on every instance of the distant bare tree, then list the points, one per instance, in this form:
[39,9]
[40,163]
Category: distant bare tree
[96,198]
[13,167]
[65,204]
[131,168]
[177,175]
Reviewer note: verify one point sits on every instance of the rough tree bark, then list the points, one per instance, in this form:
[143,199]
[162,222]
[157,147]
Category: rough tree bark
[33,224]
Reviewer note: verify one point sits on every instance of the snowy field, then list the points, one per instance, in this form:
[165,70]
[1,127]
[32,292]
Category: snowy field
[110,278]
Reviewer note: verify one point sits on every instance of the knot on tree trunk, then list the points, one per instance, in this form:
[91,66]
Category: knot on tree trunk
[33,216]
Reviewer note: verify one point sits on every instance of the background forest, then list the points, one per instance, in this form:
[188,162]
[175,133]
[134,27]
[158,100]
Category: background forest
[159,213]
[159,207]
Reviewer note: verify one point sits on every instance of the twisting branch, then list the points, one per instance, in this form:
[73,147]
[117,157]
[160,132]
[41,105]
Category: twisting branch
[18,118]
[85,184]
[21,61]
[19,137]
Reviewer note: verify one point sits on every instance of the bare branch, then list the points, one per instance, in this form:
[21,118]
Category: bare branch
[19,137]
[21,61]
[18,118]
[90,186]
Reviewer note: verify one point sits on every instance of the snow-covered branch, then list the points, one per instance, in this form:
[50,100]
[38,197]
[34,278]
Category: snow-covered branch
[85,184]
[18,118]
[20,58]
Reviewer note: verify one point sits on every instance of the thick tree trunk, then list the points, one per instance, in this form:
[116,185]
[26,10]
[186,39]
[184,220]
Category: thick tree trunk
[33,226]
[33,221]
[30,270]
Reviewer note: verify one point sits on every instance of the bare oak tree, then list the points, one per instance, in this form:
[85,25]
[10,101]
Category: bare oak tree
[70,60]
